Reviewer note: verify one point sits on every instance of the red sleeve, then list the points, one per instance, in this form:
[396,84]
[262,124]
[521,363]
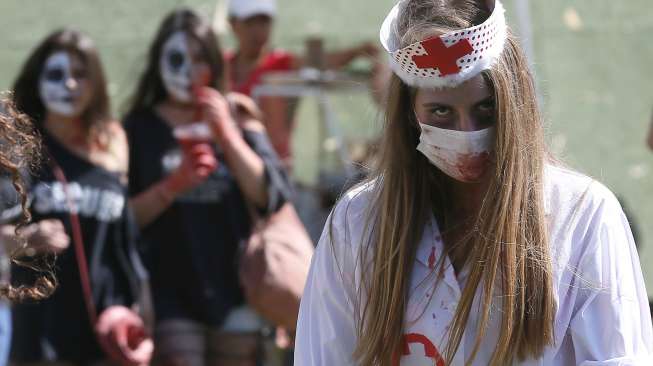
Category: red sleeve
[274,61]
[278,61]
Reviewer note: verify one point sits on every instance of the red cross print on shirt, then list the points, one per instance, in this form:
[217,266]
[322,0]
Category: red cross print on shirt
[444,58]
[430,351]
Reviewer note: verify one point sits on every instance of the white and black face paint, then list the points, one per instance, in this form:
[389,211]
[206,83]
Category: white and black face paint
[54,89]
[176,66]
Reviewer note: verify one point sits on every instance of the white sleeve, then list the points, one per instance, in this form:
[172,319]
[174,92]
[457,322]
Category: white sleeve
[612,321]
[326,331]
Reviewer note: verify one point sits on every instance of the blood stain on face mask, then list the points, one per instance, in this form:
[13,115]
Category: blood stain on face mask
[472,166]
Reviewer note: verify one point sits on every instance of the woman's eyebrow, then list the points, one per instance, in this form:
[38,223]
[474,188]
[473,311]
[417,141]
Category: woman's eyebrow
[485,100]
[435,104]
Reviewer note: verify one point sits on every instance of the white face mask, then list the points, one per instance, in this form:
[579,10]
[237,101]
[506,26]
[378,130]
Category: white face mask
[176,66]
[461,155]
[55,94]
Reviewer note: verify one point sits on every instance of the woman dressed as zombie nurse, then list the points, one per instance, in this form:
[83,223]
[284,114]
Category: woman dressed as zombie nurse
[198,161]
[469,245]
[78,203]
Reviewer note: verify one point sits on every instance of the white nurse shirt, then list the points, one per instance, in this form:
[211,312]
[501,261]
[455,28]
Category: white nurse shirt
[602,313]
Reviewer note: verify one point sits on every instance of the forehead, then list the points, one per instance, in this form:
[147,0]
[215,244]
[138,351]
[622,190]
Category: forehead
[256,19]
[176,41]
[63,60]
[469,92]
[58,59]
[182,42]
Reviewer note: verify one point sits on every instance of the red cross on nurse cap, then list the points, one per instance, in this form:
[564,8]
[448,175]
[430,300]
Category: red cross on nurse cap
[449,59]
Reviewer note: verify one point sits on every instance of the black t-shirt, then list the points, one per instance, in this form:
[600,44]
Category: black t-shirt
[58,328]
[192,248]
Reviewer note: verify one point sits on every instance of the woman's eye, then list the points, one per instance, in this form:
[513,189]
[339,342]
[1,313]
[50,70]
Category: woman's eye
[80,74]
[441,112]
[485,113]
[486,107]
[175,59]
[54,75]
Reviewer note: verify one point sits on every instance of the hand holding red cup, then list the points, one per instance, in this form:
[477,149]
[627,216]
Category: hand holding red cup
[197,163]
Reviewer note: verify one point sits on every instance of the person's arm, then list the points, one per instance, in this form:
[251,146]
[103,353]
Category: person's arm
[125,309]
[45,236]
[612,321]
[9,238]
[342,58]
[338,59]
[248,169]
[326,333]
[279,123]
[197,164]
[248,117]
[151,203]
[246,166]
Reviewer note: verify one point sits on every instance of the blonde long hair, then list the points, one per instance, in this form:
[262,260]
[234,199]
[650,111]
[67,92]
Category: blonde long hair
[510,255]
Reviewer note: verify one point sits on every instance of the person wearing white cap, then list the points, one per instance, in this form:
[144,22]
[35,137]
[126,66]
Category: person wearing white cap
[469,244]
[252,22]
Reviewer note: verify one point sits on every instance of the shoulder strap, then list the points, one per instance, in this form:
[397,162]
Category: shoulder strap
[78,243]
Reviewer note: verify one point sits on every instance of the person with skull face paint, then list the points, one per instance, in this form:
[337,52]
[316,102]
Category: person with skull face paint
[469,245]
[79,192]
[198,159]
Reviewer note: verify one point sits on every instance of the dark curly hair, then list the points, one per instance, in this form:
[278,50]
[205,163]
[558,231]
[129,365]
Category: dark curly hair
[20,148]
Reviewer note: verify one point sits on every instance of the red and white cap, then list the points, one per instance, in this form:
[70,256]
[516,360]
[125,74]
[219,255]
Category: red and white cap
[447,60]
[243,9]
